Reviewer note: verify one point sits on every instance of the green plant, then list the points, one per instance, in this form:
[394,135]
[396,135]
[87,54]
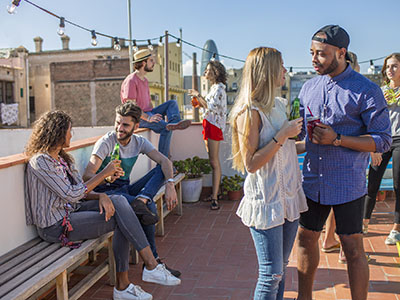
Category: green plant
[232,183]
[193,167]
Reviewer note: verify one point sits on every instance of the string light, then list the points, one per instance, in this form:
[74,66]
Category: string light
[150,46]
[94,38]
[117,46]
[15,3]
[61,28]
[12,8]
[135,47]
[213,57]
[291,72]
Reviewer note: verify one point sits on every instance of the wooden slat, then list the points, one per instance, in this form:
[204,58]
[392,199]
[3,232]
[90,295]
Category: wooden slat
[80,288]
[29,260]
[9,255]
[40,274]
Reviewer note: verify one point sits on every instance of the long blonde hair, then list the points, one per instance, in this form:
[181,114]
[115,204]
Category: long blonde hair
[258,88]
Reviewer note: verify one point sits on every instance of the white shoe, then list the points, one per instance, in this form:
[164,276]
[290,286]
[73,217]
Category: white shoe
[160,275]
[393,237]
[132,292]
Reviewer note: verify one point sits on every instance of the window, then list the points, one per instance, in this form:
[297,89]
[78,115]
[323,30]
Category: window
[173,97]
[234,86]
[7,92]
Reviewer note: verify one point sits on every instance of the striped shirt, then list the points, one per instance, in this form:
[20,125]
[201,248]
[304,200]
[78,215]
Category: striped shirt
[47,189]
[352,105]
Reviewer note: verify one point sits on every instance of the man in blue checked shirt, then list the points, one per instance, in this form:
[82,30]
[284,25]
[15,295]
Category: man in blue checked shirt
[354,121]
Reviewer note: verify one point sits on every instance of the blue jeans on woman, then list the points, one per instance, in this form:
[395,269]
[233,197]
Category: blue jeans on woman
[88,223]
[146,187]
[170,110]
[273,247]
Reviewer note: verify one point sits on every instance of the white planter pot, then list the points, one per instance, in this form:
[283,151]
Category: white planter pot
[191,189]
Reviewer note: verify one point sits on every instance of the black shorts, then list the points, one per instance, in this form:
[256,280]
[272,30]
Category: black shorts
[348,216]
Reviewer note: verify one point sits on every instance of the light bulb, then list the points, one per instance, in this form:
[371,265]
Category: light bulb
[150,46]
[117,46]
[160,43]
[61,28]
[178,43]
[12,8]
[94,39]
[135,47]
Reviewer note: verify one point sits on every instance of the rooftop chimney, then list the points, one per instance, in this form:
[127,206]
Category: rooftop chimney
[65,42]
[38,44]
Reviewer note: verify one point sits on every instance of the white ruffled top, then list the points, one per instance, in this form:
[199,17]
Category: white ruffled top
[274,192]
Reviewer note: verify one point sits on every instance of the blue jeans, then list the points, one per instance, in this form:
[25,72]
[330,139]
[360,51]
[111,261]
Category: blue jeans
[170,110]
[273,247]
[87,223]
[146,187]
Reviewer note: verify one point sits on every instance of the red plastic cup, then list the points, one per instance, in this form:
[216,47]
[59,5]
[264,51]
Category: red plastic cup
[311,123]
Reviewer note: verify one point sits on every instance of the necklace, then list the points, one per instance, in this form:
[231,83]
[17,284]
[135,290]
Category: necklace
[392,95]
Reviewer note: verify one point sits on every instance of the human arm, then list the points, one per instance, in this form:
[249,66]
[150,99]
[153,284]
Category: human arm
[105,204]
[166,167]
[300,147]
[253,157]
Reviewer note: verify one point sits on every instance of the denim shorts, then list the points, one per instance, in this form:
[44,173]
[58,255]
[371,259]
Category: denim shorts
[348,216]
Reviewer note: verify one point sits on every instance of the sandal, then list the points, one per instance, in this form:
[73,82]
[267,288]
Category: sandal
[210,198]
[214,204]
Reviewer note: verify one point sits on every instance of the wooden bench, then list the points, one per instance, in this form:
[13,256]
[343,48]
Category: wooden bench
[31,269]
[162,206]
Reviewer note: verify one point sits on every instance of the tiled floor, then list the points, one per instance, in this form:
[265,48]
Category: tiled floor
[215,253]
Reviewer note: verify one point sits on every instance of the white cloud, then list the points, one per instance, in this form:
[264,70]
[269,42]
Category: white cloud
[188,68]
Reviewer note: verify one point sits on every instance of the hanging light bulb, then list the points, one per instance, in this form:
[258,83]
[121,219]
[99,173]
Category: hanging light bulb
[160,43]
[150,46]
[371,69]
[117,46]
[94,38]
[213,57]
[291,72]
[11,8]
[135,47]
[61,28]
[178,43]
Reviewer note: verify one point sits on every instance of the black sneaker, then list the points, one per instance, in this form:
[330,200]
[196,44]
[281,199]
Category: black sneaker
[176,273]
[145,216]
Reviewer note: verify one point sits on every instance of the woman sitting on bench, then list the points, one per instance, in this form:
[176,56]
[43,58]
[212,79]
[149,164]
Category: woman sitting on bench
[63,208]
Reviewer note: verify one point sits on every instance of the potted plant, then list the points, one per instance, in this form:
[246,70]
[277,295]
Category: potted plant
[193,168]
[232,186]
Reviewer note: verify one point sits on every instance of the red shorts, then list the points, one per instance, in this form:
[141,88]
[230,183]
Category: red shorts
[211,131]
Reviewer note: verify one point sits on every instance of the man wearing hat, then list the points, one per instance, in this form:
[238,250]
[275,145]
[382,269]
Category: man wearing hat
[136,88]
[354,121]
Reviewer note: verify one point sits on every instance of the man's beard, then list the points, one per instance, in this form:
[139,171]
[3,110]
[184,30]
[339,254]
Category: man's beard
[127,135]
[147,69]
[332,67]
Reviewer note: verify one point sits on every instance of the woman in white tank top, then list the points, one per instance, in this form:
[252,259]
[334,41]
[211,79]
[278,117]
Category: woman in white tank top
[273,196]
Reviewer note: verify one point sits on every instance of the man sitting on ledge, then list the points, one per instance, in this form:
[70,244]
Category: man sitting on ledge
[136,88]
[122,144]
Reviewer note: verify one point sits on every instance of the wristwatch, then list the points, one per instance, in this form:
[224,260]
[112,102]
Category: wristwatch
[337,141]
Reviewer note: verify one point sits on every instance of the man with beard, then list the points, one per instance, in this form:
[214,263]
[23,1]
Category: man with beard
[354,121]
[135,88]
[127,146]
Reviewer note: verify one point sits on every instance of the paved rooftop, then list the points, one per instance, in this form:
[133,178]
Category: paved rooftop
[215,254]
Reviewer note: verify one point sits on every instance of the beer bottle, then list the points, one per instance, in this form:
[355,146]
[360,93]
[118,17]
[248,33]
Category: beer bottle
[114,156]
[295,109]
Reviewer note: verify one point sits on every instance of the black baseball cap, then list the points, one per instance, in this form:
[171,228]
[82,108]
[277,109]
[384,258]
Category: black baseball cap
[335,36]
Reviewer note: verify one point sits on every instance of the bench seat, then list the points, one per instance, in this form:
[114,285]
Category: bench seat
[34,266]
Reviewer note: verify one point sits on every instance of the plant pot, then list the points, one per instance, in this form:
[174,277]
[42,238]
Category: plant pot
[235,195]
[381,196]
[191,189]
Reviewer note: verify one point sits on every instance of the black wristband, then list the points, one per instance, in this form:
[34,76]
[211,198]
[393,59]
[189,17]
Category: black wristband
[274,139]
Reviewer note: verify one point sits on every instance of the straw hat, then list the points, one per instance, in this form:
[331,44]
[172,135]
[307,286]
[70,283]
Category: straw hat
[141,55]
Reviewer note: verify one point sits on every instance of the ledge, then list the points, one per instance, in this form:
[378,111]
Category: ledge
[21,158]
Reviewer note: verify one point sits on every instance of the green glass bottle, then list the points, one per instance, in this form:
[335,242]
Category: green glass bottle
[295,109]
[115,152]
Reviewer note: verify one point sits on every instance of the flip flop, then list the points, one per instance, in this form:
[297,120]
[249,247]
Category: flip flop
[214,204]
[331,249]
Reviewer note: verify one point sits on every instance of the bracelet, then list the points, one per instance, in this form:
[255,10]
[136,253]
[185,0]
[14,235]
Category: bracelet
[274,139]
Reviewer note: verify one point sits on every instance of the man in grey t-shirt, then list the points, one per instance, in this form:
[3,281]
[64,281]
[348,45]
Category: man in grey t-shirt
[128,147]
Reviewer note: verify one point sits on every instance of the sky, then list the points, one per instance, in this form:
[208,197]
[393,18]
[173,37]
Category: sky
[235,26]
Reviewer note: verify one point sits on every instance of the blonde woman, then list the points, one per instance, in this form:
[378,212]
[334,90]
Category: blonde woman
[214,121]
[273,196]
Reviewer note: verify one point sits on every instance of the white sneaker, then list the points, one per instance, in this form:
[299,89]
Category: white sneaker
[393,237]
[132,292]
[160,275]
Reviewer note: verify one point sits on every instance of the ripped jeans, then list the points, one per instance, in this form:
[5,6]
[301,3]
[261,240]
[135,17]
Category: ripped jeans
[273,247]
